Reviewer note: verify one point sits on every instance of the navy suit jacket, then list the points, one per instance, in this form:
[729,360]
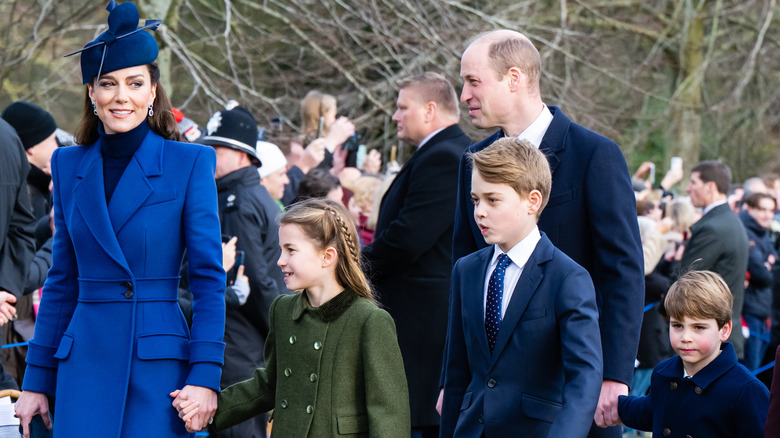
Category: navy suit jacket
[544,375]
[591,217]
[410,262]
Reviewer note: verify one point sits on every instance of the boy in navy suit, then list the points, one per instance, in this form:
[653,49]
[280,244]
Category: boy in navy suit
[523,353]
[703,391]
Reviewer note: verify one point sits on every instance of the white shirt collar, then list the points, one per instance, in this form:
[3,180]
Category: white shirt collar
[430,136]
[709,208]
[520,253]
[536,130]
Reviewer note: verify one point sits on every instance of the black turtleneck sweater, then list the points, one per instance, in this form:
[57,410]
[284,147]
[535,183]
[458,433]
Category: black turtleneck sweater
[117,150]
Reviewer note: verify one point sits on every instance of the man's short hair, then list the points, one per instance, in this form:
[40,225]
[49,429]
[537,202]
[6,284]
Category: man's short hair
[507,49]
[754,200]
[516,163]
[433,87]
[700,295]
[716,172]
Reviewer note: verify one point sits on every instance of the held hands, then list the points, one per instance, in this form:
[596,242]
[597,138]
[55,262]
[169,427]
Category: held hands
[607,409]
[29,405]
[196,406]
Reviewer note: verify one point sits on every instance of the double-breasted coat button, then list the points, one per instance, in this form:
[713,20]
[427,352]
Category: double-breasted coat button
[293,339]
[688,436]
[481,420]
[317,345]
[667,431]
[283,404]
[673,385]
[313,377]
[491,383]
[698,390]
[287,372]
[129,289]
[309,409]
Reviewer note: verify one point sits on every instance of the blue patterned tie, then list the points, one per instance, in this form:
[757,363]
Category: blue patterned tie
[494,296]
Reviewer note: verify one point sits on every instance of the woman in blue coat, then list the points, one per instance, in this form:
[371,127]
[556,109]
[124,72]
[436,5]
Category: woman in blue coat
[110,341]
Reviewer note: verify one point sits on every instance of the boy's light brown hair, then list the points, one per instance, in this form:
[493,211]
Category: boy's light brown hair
[516,163]
[700,295]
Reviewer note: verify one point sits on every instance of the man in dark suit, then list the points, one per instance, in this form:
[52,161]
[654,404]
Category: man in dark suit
[718,240]
[591,215]
[410,260]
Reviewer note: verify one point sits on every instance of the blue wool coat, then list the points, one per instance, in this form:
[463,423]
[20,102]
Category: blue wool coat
[110,341]
[722,400]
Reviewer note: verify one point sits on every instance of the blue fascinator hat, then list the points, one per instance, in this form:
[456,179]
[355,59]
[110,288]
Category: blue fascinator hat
[123,45]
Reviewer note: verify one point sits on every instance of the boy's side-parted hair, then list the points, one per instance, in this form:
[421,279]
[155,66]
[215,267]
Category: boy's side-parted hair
[700,295]
[516,163]
[328,223]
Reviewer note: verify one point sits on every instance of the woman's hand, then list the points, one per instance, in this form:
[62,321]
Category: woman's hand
[205,402]
[29,405]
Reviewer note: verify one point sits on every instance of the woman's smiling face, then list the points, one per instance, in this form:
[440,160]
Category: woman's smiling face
[122,98]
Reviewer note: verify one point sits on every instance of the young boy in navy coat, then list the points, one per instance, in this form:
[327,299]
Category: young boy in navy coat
[703,391]
[523,354]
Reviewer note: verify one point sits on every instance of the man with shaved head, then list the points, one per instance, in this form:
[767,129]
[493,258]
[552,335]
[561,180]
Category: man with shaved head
[591,215]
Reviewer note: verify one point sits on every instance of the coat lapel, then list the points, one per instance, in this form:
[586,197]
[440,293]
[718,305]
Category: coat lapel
[134,186]
[554,139]
[90,199]
[526,287]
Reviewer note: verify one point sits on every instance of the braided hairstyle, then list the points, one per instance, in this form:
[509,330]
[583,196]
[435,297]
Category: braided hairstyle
[328,224]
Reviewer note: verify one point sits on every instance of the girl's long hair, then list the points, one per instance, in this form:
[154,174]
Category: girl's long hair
[328,223]
[163,123]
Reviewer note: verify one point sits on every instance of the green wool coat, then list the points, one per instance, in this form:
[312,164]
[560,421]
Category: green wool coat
[333,370]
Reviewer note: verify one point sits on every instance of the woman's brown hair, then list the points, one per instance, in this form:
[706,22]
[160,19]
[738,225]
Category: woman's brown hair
[162,122]
[328,224]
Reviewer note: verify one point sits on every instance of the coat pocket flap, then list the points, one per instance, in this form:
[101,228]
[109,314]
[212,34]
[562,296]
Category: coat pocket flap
[64,349]
[163,347]
[531,314]
[540,409]
[352,424]
[561,198]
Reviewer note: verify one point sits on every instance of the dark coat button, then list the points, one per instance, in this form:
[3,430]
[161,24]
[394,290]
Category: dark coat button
[129,294]
[481,420]
[667,431]
[698,390]
[491,383]
[129,289]
[673,385]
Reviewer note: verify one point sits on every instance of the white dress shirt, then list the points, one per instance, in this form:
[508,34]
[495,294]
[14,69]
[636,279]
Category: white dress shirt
[536,130]
[519,255]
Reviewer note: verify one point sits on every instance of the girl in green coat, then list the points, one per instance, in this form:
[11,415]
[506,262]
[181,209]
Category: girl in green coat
[333,366]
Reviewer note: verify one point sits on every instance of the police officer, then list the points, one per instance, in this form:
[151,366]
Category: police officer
[246,211]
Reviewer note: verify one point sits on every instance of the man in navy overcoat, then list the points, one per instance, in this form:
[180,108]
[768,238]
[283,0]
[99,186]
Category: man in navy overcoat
[591,215]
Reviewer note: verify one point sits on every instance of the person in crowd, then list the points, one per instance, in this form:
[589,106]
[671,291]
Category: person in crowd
[319,120]
[273,170]
[109,330]
[320,184]
[248,212]
[757,214]
[17,242]
[332,358]
[300,161]
[718,240]
[37,130]
[409,260]
[753,185]
[591,215]
[523,343]
[365,190]
[703,390]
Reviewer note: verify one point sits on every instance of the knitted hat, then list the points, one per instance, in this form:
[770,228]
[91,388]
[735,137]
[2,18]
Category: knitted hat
[235,129]
[123,45]
[32,123]
[273,159]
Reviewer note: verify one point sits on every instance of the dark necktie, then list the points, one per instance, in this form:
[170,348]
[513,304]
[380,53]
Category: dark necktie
[495,294]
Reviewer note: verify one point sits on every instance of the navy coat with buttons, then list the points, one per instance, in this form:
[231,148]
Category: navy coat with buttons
[722,400]
[110,341]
